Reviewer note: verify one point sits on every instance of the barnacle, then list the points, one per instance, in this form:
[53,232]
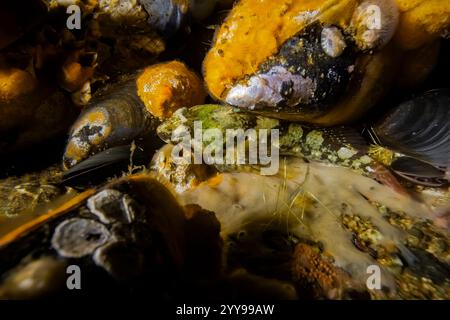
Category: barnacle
[130,108]
[374,23]
[325,62]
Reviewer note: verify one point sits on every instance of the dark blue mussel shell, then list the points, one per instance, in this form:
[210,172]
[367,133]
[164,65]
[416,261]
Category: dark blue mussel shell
[420,130]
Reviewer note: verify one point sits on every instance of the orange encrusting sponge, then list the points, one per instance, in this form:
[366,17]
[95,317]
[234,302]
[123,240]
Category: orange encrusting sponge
[166,87]
[255,31]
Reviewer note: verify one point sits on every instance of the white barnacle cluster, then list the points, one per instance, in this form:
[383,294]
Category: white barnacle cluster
[374,23]
[333,42]
[266,89]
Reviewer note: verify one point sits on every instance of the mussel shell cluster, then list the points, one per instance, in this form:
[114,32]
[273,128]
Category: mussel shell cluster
[326,62]
[114,115]
[131,109]
[419,130]
[122,233]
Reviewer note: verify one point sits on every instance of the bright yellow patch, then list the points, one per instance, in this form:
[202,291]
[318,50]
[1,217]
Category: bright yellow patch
[96,117]
[382,155]
[73,152]
[255,30]
[421,22]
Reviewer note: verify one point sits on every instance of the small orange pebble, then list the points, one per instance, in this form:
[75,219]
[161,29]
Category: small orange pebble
[167,87]
[75,76]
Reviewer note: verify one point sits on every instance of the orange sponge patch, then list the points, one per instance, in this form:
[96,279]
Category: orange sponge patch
[255,30]
[166,87]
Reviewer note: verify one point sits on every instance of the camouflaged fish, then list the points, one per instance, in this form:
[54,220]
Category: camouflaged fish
[339,146]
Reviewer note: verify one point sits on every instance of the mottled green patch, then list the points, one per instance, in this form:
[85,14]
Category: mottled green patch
[207,114]
[314,139]
[365,160]
[266,123]
[293,137]
[221,117]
